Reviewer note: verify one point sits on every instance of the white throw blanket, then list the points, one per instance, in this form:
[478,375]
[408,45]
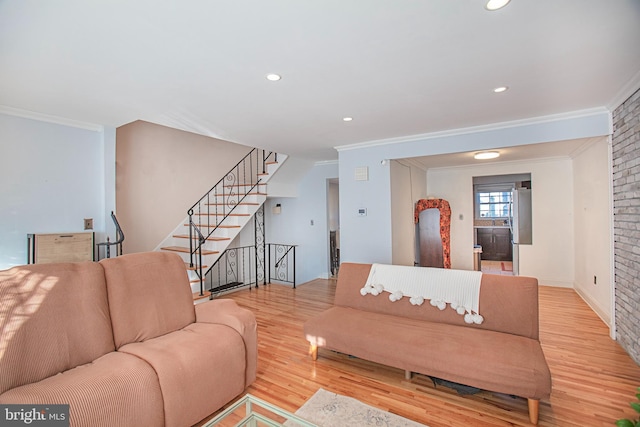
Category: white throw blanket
[458,288]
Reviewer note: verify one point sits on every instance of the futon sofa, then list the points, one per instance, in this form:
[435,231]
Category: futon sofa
[499,352]
[121,342]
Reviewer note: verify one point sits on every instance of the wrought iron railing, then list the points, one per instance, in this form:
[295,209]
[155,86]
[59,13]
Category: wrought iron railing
[281,263]
[242,266]
[209,213]
[236,267]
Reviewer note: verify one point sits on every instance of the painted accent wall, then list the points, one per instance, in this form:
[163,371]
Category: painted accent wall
[52,177]
[160,173]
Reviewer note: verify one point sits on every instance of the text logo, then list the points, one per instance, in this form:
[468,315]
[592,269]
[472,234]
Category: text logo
[34,415]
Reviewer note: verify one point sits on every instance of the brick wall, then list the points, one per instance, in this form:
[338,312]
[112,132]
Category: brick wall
[626,208]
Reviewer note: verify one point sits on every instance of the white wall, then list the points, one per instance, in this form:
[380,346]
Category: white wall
[365,238]
[550,257]
[293,224]
[52,176]
[408,185]
[592,224]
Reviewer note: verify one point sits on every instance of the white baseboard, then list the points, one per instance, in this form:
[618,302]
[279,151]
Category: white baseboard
[595,307]
[555,283]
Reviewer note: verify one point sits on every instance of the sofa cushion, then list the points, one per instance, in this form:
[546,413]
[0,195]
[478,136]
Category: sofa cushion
[53,317]
[228,312]
[116,389]
[149,295]
[507,303]
[200,369]
[485,359]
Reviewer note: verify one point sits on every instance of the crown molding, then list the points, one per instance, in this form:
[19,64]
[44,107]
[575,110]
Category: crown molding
[627,90]
[50,119]
[325,162]
[476,129]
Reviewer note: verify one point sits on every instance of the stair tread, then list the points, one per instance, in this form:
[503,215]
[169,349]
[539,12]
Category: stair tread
[213,225]
[222,214]
[210,238]
[244,185]
[187,250]
[250,193]
[197,296]
[195,267]
[234,204]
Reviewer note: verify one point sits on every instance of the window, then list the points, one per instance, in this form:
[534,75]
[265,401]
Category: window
[493,204]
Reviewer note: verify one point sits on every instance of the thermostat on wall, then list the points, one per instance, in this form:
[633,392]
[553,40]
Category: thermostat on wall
[362,211]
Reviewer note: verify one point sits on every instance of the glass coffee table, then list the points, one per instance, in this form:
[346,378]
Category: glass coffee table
[249,411]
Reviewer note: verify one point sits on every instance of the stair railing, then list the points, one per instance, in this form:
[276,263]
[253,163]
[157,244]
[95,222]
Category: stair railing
[238,267]
[117,243]
[283,258]
[234,268]
[212,209]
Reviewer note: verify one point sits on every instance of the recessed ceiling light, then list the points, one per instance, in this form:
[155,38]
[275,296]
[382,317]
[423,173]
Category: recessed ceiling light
[496,4]
[347,119]
[501,89]
[486,155]
[273,77]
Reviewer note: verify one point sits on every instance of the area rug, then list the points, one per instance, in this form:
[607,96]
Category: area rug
[327,409]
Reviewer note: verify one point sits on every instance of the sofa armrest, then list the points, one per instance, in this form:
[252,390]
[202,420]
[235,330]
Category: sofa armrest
[227,312]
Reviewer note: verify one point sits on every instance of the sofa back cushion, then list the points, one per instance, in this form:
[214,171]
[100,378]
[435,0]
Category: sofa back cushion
[53,317]
[149,295]
[507,303]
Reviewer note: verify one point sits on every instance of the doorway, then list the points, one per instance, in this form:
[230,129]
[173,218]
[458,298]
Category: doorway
[502,220]
[333,225]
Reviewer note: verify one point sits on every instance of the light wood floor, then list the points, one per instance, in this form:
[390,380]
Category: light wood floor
[593,378]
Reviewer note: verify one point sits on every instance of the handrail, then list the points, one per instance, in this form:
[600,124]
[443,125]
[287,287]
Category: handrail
[117,242]
[284,269]
[284,255]
[224,196]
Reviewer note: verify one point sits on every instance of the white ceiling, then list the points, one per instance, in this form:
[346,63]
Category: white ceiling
[542,151]
[398,67]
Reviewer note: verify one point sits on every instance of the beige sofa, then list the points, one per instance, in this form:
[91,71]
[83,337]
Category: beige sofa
[502,354]
[121,342]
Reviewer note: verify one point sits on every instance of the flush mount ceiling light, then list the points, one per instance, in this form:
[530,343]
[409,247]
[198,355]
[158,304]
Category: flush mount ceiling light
[273,77]
[347,119]
[501,89]
[496,4]
[486,155]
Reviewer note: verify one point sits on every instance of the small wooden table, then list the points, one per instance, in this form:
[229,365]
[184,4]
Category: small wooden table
[249,411]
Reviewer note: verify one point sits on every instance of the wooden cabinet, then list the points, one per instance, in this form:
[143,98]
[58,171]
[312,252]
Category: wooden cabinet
[496,243]
[69,247]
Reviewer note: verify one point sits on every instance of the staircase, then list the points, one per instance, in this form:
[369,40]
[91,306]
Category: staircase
[218,217]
